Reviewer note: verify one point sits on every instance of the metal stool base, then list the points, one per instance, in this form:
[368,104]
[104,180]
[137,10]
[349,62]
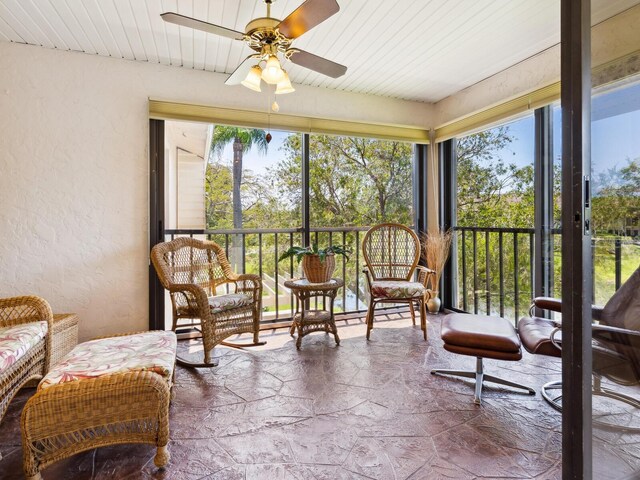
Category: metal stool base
[480,377]
[556,401]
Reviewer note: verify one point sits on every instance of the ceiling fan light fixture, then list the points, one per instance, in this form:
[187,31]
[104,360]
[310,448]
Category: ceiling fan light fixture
[272,72]
[252,80]
[284,85]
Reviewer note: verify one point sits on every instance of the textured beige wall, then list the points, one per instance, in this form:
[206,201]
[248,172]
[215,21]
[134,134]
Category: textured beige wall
[74,172]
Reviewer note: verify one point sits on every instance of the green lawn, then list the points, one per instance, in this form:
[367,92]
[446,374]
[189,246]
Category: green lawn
[604,268]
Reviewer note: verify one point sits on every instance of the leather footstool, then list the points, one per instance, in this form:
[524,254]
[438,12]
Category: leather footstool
[481,336]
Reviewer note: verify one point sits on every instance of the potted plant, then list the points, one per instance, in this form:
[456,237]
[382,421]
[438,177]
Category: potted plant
[436,247]
[318,264]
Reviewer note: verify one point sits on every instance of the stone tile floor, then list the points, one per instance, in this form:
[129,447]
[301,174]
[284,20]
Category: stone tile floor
[361,410]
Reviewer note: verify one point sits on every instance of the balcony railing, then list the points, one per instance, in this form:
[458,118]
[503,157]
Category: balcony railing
[257,251]
[495,268]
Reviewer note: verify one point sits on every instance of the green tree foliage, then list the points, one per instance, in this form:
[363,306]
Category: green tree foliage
[616,200]
[255,201]
[243,140]
[615,215]
[353,181]
[218,190]
[492,193]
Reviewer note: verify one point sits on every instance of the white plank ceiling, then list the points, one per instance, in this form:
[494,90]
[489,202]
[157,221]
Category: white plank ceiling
[421,50]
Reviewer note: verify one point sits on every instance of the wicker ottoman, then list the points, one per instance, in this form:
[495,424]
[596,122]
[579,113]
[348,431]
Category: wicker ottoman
[107,391]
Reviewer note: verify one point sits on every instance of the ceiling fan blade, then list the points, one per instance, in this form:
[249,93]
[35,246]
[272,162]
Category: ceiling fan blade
[307,16]
[241,71]
[317,64]
[181,20]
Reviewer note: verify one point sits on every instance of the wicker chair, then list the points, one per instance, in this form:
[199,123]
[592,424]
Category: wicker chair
[192,270]
[391,252]
[34,362]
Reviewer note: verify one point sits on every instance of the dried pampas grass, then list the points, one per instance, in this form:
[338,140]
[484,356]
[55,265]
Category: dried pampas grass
[436,247]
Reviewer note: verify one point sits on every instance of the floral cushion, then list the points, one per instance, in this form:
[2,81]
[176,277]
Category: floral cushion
[221,303]
[397,289]
[154,351]
[17,340]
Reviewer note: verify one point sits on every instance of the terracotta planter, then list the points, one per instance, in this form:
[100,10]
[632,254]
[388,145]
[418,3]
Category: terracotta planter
[316,271]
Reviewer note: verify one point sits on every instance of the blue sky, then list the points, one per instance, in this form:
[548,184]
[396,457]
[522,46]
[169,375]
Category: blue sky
[257,161]
[521,150]
[615,132]
[614,140]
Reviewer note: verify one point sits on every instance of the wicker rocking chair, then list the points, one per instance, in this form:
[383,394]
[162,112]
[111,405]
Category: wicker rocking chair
[391,252]
[192,270]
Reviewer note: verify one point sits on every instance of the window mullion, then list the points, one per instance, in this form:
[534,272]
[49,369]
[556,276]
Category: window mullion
[306,234]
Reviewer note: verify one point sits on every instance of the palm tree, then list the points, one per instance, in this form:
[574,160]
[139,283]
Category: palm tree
[243,140]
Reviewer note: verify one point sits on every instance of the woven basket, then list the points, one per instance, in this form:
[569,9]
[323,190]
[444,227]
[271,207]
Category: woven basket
[317,271]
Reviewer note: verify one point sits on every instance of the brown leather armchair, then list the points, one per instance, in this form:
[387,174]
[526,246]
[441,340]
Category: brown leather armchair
[616,341]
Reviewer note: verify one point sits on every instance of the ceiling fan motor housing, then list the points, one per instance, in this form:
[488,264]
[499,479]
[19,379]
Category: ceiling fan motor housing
[262,32]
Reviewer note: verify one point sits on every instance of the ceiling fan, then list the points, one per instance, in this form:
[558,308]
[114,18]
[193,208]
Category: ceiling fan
[269,37]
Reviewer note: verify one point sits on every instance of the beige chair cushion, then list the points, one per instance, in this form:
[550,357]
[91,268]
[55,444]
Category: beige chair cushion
[16,341]
[397,289]
[149,351]
[221,303]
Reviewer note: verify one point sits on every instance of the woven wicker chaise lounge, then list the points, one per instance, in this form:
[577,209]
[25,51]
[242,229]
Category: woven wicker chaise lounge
[25,344]
[104,392]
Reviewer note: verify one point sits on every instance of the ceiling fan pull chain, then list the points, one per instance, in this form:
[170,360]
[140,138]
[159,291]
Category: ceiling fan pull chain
[268,135]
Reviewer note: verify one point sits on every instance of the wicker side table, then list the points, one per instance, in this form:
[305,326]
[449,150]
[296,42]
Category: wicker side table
[64,335]
[308,320]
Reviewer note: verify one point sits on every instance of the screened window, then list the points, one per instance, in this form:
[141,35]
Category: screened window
[495,219]
[250,195]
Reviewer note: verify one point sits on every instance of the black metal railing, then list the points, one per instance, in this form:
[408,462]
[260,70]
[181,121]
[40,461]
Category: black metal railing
[495,268]
[257,251]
